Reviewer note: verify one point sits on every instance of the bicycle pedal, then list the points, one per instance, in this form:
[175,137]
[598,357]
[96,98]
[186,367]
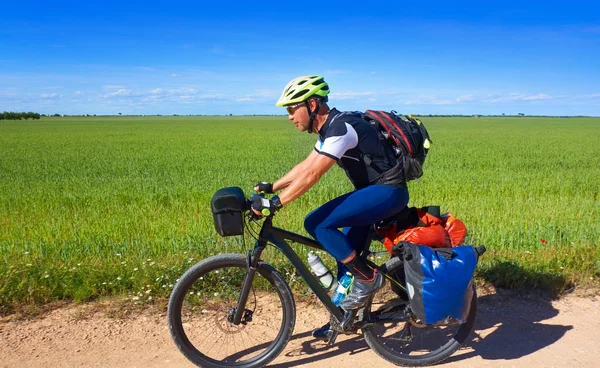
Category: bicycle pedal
[332,338]
[322,333]
[347,320]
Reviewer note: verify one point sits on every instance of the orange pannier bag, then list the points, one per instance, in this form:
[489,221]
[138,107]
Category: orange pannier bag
[424,226]
[456,229]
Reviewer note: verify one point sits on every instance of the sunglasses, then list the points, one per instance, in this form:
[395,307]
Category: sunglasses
[291,109]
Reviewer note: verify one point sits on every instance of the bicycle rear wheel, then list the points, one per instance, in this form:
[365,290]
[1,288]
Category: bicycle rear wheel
[405,341]
[202,305]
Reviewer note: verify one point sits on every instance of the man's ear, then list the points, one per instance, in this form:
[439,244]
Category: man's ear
[314,105]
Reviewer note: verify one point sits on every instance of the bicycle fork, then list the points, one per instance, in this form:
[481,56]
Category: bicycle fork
[252,266]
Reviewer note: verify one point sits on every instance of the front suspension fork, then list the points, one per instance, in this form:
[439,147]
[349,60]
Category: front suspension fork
[252,266]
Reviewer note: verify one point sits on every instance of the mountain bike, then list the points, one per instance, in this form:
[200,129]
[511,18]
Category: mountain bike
[235,310]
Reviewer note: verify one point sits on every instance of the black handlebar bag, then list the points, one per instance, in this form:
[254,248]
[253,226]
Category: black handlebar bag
[440,282]
[227,206]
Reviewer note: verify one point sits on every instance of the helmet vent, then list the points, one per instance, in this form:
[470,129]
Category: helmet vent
[300,94]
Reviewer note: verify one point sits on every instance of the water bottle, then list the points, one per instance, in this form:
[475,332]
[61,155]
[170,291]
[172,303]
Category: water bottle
[343,288]
[321,271]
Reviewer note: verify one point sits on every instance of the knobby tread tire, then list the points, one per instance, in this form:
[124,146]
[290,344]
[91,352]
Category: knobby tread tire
[220,261]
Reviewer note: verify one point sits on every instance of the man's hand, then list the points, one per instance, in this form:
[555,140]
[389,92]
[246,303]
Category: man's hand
[265,207]
[264,187]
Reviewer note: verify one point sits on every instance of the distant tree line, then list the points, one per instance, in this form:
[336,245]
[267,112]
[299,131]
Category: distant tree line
[7,115]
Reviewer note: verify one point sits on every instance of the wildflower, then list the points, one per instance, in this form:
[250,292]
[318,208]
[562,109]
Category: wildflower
[136,298]
[543,240]
[118,254]
[104,283]
[135,269]
[216,294]
[46,276]
[119,278]
[29,265]
[26,253]
[149,298]
[148,291]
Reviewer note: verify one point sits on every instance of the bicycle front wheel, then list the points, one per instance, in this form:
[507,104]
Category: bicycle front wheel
[202,305]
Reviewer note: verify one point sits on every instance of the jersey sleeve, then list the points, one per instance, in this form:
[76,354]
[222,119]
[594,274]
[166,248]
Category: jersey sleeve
[340,138]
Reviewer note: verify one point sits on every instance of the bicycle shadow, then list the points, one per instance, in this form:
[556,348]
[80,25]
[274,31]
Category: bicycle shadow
[507,327]
[313,350]
[510,327]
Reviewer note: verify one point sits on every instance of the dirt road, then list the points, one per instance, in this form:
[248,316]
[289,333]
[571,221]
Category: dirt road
[511,331]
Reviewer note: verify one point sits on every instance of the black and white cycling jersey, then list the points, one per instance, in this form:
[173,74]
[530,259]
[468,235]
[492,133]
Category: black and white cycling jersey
[358,148]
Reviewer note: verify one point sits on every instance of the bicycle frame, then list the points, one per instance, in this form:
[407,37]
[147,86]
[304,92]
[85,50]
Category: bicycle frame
[278,237]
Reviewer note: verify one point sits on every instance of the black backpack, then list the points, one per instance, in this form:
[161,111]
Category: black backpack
[408,137]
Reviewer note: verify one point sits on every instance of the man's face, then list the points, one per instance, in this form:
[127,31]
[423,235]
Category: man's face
[298,113]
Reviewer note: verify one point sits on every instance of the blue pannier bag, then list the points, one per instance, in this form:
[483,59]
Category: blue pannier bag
[440,281]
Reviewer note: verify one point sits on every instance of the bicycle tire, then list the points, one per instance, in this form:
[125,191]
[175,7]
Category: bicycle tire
[384,349]
[228,263]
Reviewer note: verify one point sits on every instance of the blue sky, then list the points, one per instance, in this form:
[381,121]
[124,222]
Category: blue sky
[202,57]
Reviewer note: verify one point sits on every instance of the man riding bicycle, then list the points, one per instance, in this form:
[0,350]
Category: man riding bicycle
[370,164]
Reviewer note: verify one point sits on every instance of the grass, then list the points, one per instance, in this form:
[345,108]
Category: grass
[121,205]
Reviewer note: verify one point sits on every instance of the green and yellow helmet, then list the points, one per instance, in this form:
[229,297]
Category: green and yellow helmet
[302,88]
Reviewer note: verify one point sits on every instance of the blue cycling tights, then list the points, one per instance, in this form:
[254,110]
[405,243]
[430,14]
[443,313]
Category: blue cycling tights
[354,212]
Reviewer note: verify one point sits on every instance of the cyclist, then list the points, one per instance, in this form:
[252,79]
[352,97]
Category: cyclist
[370,164]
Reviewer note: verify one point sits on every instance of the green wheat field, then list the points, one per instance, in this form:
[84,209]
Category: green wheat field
[100,206]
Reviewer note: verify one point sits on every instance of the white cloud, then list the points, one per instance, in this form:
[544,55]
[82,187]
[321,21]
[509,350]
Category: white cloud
[156,90]
[119,92]
[518,97]
[539,96]
[50,96]
[174,75]
[465,98]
